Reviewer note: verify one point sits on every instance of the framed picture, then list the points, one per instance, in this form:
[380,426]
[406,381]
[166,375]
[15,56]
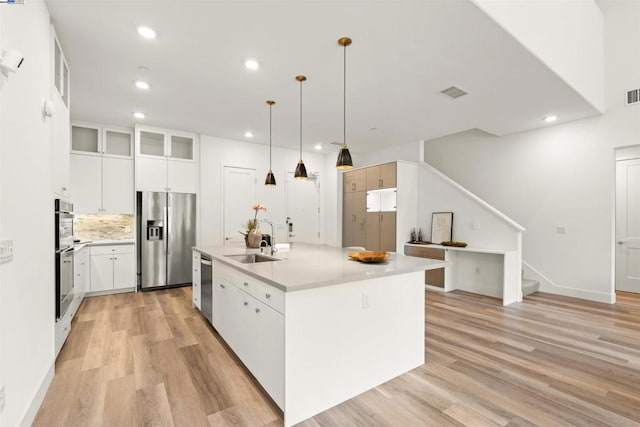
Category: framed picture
[441,227]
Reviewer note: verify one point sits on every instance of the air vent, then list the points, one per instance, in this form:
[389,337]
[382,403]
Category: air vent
[633,97]
[453,92]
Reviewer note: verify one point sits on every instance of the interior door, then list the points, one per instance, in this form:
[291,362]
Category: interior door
[239,195]
[628,225]
[303,204]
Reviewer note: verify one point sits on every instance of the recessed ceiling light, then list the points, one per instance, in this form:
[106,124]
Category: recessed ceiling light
[248,134]
[251,64]
[142,85]
[318,147]
[550,119]
[139,115]
[147,32]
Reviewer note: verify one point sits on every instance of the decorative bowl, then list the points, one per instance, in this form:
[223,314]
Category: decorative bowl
[369,256]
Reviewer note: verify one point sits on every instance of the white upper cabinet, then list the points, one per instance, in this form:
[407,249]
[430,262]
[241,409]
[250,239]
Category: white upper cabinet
[98,140]
[60,132]
[102,168]
[166,160]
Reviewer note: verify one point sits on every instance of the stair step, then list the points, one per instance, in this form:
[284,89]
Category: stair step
[529,286]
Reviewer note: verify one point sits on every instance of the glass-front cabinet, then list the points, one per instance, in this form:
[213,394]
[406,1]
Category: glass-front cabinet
[165,143]
[96,139]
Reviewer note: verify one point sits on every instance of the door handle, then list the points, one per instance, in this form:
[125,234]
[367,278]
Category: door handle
[621,242]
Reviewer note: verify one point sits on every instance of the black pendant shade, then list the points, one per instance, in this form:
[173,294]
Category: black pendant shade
[270,181]
[344,157]
[301,170]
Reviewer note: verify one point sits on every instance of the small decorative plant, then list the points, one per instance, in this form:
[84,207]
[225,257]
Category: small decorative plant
[253,232]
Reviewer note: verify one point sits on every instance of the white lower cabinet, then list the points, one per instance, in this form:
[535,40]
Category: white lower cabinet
[196,283]
[112,268]
[253,329]
[271,352]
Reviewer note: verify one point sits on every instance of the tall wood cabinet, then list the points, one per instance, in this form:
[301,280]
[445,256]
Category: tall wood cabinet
[354,208]
[380,205]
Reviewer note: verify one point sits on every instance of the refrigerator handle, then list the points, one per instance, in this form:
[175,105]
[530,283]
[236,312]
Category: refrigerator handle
[167,212]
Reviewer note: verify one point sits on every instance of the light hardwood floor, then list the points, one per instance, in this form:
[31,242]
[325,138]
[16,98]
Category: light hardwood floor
[150,359]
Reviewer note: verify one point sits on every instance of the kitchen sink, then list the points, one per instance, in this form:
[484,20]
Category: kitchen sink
[251,258]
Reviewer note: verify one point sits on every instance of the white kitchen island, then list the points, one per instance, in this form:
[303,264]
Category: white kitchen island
[316,328]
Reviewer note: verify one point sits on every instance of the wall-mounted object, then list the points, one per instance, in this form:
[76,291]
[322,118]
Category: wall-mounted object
[11,60]
[441,227]
[47,108]
[301,170]
[270,181]
[344,157]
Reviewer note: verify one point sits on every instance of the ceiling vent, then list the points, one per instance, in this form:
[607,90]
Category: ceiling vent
[453,92]
[633,97]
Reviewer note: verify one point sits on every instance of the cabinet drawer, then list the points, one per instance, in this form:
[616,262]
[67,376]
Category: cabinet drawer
[112,249]
[271,296]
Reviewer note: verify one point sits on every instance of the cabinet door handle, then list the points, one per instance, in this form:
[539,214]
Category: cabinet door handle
[267,295]
[257,310]
[353,185]
[115,258]
[222,286]
[246,284]
[246,303]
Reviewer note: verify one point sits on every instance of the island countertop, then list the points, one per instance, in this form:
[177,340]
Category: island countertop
[307,266]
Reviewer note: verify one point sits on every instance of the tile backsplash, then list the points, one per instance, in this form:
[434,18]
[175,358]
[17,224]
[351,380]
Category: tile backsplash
[103,227]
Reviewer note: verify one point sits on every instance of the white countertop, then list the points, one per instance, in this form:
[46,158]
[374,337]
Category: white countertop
[307,266]
[457,248]
[81,244]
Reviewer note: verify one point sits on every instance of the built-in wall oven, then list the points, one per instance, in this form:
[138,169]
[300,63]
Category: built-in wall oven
[64,256]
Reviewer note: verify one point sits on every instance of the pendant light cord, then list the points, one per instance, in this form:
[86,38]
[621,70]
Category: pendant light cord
[344,99]
[300,119]
[270,105]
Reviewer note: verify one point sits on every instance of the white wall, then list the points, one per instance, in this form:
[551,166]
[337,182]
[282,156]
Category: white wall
[566,35]
[410,152]
[26,215]
[561,175]
[216,153]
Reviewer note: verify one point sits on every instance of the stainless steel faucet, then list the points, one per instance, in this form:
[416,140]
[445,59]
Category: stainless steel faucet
[273,236]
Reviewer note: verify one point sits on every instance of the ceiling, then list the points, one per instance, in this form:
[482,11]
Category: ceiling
[403,54]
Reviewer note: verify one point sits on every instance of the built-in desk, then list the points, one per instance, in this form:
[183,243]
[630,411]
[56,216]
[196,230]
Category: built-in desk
[485,271]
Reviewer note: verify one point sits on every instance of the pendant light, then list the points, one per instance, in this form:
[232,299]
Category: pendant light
[344,157]
[271,179]
[301,170]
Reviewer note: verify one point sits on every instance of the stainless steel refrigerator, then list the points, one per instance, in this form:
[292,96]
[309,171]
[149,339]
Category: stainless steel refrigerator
[166,233]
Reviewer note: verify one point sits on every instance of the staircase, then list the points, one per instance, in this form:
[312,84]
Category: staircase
[529,286]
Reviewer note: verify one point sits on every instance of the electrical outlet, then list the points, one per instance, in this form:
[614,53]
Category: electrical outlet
[365,300]
[1,398]
[561,229]
[477,270]
[6,251]
[475,225]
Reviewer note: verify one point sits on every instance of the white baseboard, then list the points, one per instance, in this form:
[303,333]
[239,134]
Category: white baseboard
[578,293]
[433,288]
[32,411]
[546,285]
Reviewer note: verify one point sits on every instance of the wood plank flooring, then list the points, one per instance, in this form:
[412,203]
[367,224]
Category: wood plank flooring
[151,359]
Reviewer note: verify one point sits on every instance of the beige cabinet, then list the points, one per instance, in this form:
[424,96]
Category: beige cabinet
[381,231]
[355,180]
[354,218]
[381,176]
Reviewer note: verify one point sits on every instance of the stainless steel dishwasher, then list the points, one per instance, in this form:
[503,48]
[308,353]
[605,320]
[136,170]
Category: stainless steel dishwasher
[206,283]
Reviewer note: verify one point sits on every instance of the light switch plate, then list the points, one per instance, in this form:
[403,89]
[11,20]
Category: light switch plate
[561,229]
[6,251]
